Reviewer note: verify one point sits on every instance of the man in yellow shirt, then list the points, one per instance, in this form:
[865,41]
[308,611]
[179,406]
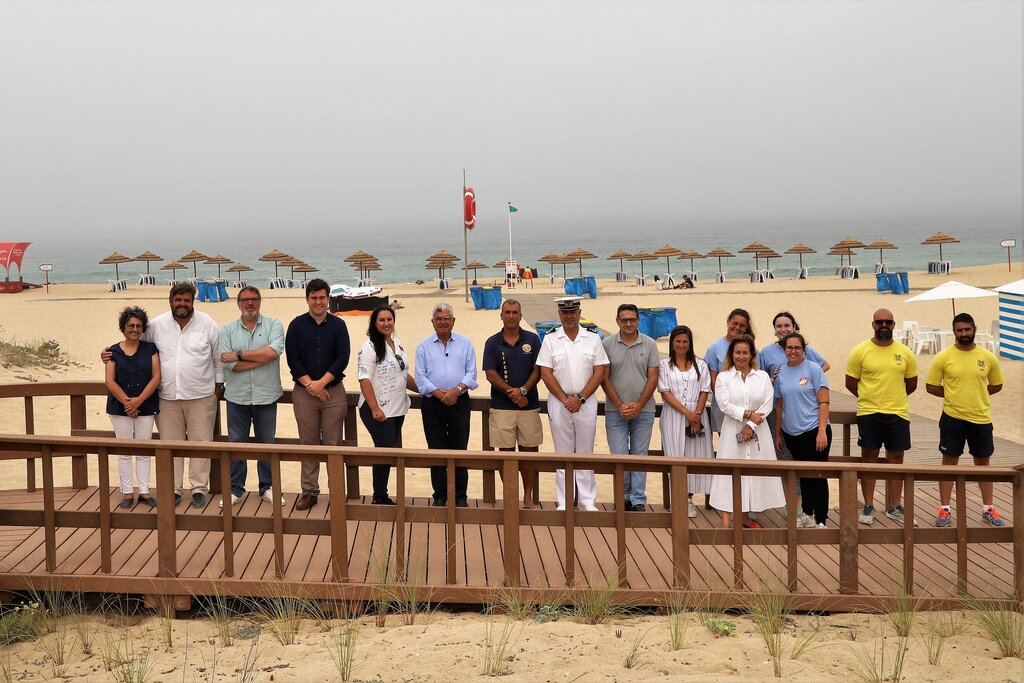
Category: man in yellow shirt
[965,375]
[882,373]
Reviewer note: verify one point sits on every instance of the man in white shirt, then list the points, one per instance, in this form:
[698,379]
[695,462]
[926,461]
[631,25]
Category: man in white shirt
[191,383]
[573,364]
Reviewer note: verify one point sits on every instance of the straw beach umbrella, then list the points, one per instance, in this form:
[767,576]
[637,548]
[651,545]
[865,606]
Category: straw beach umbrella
[881,245]
[115,258]
[219,261]
[148,257]
[306,268]
[767,255]
[754,248]
[619,256]
[841,252]
[239,268]
[441,261]
[849,244]
[667,252]
[720,253]
[579,254]
[941,238]
[193,257]
[800,248]
[292,263]
[642,256]
[476,265]
[276,256]
[551,258]
[174,267]
[690,255]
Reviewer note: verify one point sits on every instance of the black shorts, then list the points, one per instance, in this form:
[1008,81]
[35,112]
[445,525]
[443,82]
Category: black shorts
[954,433]
[883,429]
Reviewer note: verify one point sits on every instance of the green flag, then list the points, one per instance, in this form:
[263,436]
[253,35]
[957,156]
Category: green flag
[511,209]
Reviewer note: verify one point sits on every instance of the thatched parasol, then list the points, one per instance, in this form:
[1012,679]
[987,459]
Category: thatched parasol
[690,255]
[441,261]
[578,254]
[642,256]
[619,256]
[174,267]
[148,257]
[276,256]
[364,263]
[881,245]
[306,268]
[841,252]
[219,261]
[292,263]
[801,249]
[941,238]
[720,253]
[551,258]
[193,257]
[239,268]
[475,265]
[115,259]
[667,252]
[755,248]
[767,255]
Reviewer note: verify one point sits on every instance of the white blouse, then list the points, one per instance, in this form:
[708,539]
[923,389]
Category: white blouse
[388,377]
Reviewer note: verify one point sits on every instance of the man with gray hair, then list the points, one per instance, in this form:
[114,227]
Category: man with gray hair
[445,372]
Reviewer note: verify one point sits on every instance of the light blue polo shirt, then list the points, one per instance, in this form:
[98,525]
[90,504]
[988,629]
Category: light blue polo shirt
[774,356]
[260,386]
[798,387]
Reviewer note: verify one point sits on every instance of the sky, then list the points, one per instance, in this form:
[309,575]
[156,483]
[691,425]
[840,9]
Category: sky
[253,118]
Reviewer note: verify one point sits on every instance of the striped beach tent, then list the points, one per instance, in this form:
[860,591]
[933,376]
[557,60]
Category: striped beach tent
[1011,320]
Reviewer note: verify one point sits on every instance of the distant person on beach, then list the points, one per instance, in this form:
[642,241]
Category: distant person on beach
[191,383]
[133,378]
[573,363]
[510,366]
[445,372]
[745,396]
[882,373]
[801,423]
[629,387]
[384,383]
[685,383]
[250,350]
[318,348]
[965,376]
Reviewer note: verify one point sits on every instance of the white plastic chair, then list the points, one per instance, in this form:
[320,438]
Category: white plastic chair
[989,340]
[921,339]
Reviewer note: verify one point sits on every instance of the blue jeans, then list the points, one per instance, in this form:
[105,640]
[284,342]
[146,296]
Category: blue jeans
[632,437]
[264,426]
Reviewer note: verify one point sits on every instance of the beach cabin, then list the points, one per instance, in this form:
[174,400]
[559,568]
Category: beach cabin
[1011,320]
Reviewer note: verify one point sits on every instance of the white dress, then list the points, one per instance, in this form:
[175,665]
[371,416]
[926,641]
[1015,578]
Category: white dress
[736,395]
[686,387]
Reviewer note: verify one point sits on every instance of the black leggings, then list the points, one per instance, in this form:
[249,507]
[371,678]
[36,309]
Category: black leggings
[814,490]
[386,434]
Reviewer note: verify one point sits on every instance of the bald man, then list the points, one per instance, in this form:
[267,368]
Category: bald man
[882,373]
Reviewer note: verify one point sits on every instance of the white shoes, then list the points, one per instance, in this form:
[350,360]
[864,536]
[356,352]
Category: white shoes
[691,509]
[804,520]
[590,508]
[268,496]
[560,508]
[234,499]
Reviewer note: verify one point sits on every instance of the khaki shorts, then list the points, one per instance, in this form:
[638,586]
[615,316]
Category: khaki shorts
[511,427]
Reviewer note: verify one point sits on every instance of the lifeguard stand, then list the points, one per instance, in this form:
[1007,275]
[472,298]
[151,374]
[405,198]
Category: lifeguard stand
[511,274]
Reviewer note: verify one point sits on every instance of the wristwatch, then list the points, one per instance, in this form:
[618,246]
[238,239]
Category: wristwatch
[239,354]
[523,391]
[580,397]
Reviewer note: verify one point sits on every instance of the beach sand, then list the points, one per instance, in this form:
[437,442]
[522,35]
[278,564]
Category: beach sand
[834,315]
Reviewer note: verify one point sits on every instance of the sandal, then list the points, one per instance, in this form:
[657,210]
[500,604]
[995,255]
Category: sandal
[752,524]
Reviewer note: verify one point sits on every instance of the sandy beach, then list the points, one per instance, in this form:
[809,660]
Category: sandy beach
[834,315]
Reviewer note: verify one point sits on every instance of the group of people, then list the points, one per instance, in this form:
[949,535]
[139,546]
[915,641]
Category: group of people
[764,404]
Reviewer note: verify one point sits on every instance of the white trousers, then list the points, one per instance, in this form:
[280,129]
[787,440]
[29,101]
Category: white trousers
[574,433]
[140,427]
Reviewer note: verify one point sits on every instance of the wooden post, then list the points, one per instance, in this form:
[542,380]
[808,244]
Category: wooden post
[570,525]
[487,480]
[618,485]
[400,516]
[908,534]
[450,531]
[350,437]
[1018,534]
[278,513]
[49,511]
[227,516]
[79,466]
[791,544]
[961,535]
[846,439]
[849,578]
[510,519]
[30,428]
[104,475]
[737,529]
[680,529]
[167,550]
[338,515]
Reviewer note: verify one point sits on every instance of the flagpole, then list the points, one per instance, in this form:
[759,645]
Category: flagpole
[510,233]
[465,242]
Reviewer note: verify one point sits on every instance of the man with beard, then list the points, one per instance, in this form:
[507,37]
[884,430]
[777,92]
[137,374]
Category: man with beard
[882,373]
[250,349]
[964,376]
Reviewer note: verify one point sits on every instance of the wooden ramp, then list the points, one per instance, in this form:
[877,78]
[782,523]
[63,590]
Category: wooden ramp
[478,553]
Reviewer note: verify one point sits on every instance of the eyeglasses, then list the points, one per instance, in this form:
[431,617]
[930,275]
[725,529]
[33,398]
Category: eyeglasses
[248,299]
[889,323]
[443,320]
[133,326]
[794,349]
[629,321]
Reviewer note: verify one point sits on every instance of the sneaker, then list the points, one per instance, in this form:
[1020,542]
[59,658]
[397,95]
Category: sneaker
[590,508]
[867,515]
[268,496]
[896,514]
[992,517]
[560,508]
[234,499]
[691,510]
[942,517]
[198,499]
[819,525]
[805,521]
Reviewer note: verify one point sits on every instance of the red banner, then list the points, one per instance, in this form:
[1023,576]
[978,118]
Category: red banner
[11,253]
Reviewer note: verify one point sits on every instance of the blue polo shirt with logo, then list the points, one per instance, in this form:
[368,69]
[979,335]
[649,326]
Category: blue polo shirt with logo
[515,365]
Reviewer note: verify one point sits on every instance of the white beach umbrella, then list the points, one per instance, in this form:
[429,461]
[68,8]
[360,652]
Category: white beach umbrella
[951,290]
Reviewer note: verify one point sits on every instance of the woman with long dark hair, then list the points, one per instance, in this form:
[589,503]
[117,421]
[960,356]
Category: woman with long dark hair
[384,381]
[685,382]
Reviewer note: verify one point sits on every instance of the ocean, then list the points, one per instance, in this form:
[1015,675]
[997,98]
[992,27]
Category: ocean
[403,254]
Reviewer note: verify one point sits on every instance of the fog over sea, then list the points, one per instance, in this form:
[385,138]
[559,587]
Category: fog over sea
[402,251]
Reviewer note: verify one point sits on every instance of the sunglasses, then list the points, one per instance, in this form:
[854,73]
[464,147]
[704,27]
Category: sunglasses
[885,322]
[401,363]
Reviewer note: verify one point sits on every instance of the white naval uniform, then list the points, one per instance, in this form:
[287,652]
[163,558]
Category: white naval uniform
[572,363]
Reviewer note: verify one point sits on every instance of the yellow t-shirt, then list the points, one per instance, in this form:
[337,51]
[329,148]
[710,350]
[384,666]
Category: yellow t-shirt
[882,371]
[965,376]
